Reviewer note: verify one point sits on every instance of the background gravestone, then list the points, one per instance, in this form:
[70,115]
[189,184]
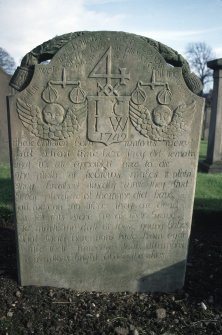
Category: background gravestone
[206,115]
[4,91]
[104,143]
[206,123]
[213,162]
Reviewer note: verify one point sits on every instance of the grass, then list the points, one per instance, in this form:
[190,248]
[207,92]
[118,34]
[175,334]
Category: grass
[203,150]
[6,194]
[208,197]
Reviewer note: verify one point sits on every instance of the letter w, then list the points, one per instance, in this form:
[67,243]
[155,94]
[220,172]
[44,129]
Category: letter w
[118,123]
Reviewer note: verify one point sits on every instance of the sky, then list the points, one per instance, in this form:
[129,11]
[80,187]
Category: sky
[24,24]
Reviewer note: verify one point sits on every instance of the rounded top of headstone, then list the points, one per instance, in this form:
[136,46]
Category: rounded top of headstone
[55,49]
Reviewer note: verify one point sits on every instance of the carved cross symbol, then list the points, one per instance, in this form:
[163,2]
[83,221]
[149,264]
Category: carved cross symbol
[123,76]
[64,80]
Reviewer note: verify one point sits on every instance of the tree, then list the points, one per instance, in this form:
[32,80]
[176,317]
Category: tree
[198,54]
[6,61]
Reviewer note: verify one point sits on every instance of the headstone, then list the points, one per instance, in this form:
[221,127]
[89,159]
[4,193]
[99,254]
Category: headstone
[104,142]
[4,91]
[213,162]
[206,116]
[206,123]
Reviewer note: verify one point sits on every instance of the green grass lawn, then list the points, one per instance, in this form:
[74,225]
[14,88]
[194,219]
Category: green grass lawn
[208,195]
[6,194]
[203,150]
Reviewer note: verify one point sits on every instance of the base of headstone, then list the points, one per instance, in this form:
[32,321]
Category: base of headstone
[215,167]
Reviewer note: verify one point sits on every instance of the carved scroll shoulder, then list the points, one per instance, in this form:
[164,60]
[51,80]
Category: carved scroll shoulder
[48,49]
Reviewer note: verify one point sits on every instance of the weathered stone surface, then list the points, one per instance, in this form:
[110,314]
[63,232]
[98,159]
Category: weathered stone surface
[105,148]
[4,91]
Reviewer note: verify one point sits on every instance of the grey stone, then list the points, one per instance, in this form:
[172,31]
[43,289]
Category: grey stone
[104,149]
[10,314]
[18,294]
[213,162]
[4,91]
[203,306]
[161,313]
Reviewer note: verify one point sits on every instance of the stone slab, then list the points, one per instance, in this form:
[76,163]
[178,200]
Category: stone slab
[214,148]
[104,144]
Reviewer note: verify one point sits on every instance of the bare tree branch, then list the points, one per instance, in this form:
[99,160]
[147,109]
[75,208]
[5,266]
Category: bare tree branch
[6,61]
[198,54]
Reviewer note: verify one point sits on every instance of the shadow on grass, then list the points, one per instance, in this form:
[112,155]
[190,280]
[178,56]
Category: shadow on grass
[207,211]
[6,197]
[8,264]
[208,204]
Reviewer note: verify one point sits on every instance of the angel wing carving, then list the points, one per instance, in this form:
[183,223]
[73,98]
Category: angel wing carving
[53,122]
[161,123]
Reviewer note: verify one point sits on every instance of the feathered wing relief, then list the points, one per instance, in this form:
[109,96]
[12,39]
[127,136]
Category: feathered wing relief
[109,105]
[161,123]
[53,122]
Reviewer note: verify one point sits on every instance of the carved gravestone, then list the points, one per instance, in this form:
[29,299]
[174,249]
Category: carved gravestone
[104,143]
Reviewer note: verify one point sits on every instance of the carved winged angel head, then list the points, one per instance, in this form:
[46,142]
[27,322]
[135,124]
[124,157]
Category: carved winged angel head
[162,115]
[53,114]
[53,122]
